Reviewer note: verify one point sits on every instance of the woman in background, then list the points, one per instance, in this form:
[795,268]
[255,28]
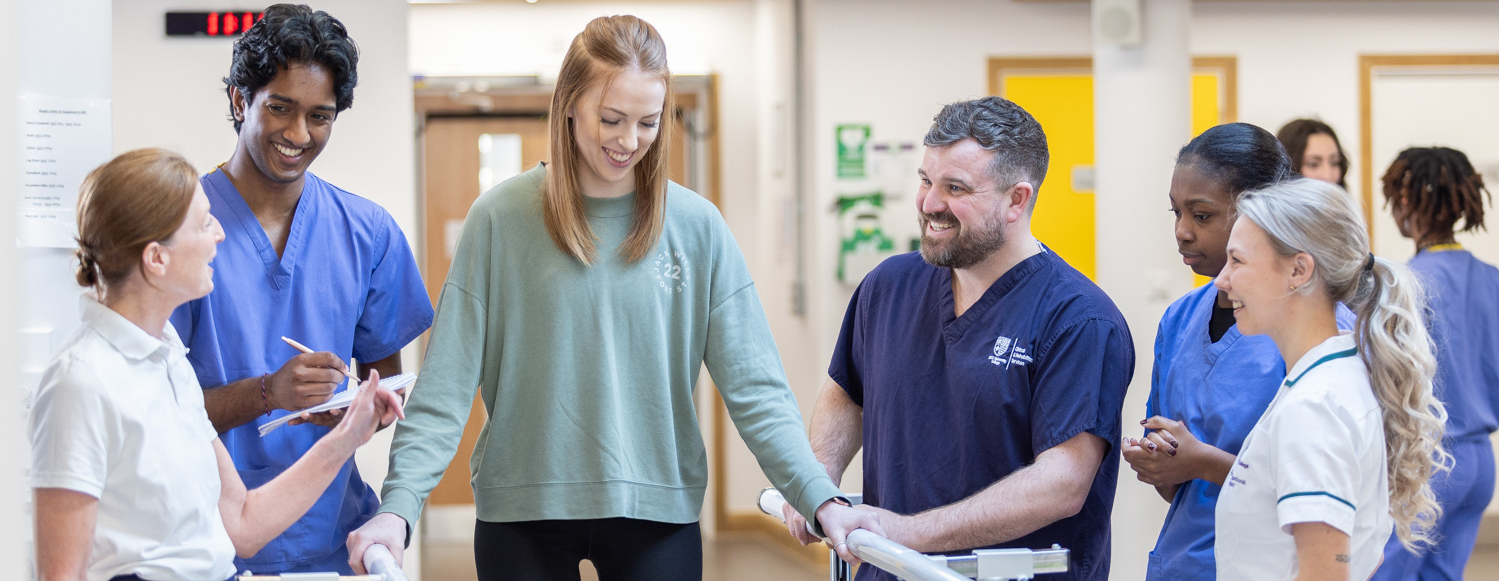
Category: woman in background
[130,478]
[1429,189]
[1315,150]
[1345,451]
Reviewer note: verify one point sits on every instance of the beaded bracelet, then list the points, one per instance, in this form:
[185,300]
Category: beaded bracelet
[265,399]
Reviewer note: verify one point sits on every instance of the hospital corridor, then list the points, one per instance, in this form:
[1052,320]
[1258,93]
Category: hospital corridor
[731,290]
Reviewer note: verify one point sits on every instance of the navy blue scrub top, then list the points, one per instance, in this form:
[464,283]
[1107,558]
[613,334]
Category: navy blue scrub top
[954,404]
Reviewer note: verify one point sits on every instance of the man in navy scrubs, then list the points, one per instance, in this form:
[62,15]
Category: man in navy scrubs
[303,259]
[983,376]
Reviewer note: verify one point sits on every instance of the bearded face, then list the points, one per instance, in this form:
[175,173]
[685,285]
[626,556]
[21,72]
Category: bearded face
[947,242]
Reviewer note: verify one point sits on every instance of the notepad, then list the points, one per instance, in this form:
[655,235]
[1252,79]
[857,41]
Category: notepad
[340,400]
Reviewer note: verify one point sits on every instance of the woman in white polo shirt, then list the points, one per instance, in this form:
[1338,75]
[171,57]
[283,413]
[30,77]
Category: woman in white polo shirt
[1345,451]
[130,479]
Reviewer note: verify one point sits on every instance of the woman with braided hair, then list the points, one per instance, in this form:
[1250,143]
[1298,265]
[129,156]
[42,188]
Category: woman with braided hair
[1429,189]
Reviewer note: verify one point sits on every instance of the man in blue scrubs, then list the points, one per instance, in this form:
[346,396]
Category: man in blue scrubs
[984,376]
[301,259]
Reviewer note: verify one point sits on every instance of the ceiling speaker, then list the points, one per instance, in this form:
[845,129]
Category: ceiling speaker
[1119,22]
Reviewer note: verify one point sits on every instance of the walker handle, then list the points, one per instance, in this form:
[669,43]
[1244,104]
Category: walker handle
[379,561]
[874,549]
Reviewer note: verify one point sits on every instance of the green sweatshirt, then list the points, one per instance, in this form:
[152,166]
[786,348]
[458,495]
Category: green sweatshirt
[588,372]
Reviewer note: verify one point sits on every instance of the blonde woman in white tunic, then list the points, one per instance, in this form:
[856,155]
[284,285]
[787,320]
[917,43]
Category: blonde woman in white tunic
[1344,453]
[131,481]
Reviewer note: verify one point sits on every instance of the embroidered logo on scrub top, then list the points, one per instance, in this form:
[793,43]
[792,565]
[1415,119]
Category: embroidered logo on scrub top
[1233,475]
[1017,354]
[672,271]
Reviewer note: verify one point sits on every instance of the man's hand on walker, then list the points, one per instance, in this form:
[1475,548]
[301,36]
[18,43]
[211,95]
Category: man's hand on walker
[838,521]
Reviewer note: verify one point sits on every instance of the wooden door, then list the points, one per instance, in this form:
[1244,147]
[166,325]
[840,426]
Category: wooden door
[451,169]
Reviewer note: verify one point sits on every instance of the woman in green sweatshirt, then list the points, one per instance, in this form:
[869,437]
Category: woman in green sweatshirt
[584,296]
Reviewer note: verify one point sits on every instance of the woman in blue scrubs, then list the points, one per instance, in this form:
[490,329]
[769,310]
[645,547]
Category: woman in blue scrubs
[1209,383]
[1429,189]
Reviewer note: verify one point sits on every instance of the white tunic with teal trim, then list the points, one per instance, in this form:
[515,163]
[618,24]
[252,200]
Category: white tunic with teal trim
[1317,455]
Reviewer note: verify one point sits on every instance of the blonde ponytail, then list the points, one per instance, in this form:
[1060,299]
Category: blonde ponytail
[1394,344]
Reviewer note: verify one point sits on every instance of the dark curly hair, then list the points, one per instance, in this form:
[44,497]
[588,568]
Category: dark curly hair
[1436,186]
[1000,126]
[292,34]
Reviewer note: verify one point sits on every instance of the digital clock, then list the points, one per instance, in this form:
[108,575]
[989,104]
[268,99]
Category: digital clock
[225,23]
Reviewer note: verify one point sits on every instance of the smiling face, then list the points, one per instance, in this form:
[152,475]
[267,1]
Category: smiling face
[1321,160]
[1203,209]
[191,249]
[286,123]
[614,124]
[959,205]
[1256,279]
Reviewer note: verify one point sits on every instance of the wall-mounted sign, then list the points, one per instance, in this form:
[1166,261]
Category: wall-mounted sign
[231,23]
[852,139]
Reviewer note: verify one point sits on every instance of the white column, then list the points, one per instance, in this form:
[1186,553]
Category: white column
[65,53]
[13,489]
[1142,103]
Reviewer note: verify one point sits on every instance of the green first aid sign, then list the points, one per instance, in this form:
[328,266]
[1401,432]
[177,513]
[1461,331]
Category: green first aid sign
[853,141]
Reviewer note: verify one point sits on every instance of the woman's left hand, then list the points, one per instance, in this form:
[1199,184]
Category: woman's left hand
[1170,454]
[1155,457]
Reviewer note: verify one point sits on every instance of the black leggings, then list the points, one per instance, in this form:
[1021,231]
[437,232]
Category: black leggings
[621,549]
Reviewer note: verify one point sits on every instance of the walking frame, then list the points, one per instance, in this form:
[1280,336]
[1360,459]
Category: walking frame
[887,555]
[377,560]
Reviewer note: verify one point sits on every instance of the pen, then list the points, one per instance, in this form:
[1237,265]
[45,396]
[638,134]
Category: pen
[304,349]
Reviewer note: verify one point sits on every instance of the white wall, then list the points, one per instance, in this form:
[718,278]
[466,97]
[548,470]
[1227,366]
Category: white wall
[169,93]
[13,488]
[66,44]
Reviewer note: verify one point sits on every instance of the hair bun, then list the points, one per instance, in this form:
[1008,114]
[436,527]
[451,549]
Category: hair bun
[88,270]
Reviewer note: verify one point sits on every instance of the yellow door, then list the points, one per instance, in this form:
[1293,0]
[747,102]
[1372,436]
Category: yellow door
[1059,94]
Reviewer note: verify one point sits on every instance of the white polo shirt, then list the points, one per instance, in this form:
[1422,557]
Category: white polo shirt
[119,416]
[1316,455]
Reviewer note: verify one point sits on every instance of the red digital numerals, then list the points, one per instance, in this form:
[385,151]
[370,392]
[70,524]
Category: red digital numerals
[229,23]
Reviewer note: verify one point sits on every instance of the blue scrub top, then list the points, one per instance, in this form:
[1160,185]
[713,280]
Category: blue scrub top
[954,404]
[1219,390]
[1463,294]
[346,283]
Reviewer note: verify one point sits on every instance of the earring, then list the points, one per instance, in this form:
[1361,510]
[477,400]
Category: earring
[1293,288]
